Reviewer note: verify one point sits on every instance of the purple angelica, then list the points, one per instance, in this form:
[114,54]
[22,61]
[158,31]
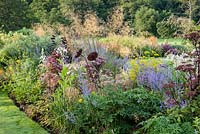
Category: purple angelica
[165,48]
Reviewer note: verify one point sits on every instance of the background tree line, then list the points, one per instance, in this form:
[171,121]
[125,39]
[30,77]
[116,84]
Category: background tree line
[157,17]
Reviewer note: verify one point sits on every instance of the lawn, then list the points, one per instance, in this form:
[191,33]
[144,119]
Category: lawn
[13,121]
[173,41]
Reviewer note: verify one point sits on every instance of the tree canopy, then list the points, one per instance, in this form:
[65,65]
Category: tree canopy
[142,15]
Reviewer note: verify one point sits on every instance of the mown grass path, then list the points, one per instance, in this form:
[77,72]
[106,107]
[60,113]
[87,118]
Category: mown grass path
[13,121]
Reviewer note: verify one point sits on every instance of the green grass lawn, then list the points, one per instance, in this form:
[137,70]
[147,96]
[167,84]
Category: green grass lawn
[13,121]
[173,41]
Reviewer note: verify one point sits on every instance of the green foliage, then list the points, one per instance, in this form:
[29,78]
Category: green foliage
[150,51]
[60,114]
[196,124]
[166,125]
[48,11]
[24,89]
[146,19]
[115,110]
[1,44]
[24,43]
[183,48]
[24,13]
[165,29]
[195,13]
[175,120]
[102,8]
[14,15]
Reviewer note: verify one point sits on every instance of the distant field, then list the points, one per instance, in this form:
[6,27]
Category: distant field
[125,40]
[173,41]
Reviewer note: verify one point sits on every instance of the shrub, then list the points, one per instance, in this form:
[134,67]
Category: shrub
[115,110]
[165,48]
[183,48]
[24,89]
[175,120]
[150,51]
[155,79]
[143,24]
[167,28]
[138,65]
[189,66]
[165,125]
[24,43]
[16,19]
[126,45]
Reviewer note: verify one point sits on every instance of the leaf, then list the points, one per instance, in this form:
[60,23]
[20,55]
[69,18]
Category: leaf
[63,73]
[193,109]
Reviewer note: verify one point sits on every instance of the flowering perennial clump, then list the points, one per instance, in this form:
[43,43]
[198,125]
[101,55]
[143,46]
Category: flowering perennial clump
[138,65]
[189,65]
[93,67]
[155,79]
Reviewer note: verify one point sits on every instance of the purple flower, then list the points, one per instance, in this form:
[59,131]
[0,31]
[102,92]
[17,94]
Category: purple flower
[121,63]
[83,84]
[166,47]
[183,103]
[154,79]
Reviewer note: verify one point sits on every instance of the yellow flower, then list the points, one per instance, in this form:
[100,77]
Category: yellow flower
[153,52]
[80,100]
[146,52]
[156,55]
[10,68]
[18,61]
[93,92]
[138,65]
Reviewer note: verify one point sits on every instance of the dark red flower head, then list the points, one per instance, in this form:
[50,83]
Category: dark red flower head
[55,54]
[92,56]
[194,37]
[197,60]
[168,92]
[180,67]
[78,53]
[169,85]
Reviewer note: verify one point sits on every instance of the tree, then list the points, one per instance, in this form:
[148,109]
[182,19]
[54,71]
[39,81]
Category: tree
[103,8]
[167,28]
[146,19]
[189,6]
[48,11]
[14,15]
[92,25]
[196,15]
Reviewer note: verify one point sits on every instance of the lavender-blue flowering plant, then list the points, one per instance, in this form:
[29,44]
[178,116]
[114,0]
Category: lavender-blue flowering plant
[155,79]
[159,79]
